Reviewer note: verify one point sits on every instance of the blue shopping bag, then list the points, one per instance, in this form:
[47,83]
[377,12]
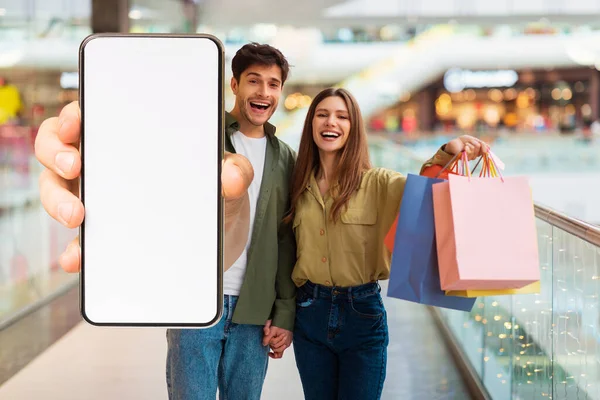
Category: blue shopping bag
[414,274]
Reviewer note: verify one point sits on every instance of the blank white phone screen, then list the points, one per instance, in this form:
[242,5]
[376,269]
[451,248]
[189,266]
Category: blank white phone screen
[151,148]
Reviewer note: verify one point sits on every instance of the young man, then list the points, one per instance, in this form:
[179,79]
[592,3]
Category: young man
[258,288]
[259,303]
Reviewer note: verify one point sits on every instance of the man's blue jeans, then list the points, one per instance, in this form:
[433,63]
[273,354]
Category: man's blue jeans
[227,356]
[340,342]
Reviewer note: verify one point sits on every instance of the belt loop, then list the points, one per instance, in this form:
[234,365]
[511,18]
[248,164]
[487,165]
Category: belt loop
[350,293]
[315,291]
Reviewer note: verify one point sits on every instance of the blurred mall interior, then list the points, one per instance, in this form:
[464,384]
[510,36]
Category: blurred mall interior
[523,76]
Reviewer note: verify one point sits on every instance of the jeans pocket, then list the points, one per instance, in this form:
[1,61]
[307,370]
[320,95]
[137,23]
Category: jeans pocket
[370,306]
[304,300]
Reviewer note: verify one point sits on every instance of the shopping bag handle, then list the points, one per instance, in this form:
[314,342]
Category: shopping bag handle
[445,167]
[457,165]
[481,158]
[489,168]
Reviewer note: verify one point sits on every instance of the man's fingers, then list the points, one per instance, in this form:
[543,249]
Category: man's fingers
[69,124]
[236,176]
[59,201]
[266,332]
[60,157]
[267,327]
[70,260]
[267,338]
[270,333]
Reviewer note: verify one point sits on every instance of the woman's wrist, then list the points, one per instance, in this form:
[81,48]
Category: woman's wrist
[446,151]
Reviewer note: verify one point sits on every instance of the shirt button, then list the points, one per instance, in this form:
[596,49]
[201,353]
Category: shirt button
[324,259]
[322,232]
[327,283]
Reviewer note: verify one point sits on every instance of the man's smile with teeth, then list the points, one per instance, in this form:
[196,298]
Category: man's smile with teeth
[259,104]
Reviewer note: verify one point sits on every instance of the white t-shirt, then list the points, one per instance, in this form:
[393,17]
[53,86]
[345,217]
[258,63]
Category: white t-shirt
[254,150]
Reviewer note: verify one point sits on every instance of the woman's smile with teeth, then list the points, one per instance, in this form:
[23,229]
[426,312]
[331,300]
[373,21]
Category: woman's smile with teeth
[330,134]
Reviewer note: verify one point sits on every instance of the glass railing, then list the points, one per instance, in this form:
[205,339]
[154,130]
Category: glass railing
[30,241]
[542,345]
[537,346]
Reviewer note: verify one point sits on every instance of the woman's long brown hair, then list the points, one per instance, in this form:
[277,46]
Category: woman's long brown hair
[353,158]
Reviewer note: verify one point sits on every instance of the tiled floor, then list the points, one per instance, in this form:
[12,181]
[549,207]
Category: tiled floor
[24,340]
[94,363]
[419,367]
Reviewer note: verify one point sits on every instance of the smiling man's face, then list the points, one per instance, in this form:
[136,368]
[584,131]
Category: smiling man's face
[257,93]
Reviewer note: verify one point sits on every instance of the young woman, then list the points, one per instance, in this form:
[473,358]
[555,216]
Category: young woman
[341,210]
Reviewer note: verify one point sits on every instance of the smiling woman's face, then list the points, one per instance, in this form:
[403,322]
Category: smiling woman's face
[331,124]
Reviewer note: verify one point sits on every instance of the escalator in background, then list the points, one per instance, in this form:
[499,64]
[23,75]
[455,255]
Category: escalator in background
[429,55]
[378,86]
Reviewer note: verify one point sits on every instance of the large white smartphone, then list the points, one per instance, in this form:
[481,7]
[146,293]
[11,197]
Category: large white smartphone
[152,147]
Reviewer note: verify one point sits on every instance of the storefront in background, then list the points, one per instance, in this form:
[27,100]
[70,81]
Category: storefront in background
[27,97]
[42,94]
[526,101]
[405,116]
[31,241]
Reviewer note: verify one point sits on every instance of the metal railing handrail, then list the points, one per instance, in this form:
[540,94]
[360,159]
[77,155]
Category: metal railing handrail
[583,230]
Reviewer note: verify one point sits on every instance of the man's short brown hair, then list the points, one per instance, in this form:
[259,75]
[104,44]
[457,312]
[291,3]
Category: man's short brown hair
[259,54]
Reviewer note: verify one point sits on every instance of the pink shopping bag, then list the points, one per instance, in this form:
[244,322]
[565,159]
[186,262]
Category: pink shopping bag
[485,233]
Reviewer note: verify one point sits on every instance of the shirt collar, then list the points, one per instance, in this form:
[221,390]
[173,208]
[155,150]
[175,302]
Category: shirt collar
[313,184]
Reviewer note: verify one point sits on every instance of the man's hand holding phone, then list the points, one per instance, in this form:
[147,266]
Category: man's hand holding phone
[57,148]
